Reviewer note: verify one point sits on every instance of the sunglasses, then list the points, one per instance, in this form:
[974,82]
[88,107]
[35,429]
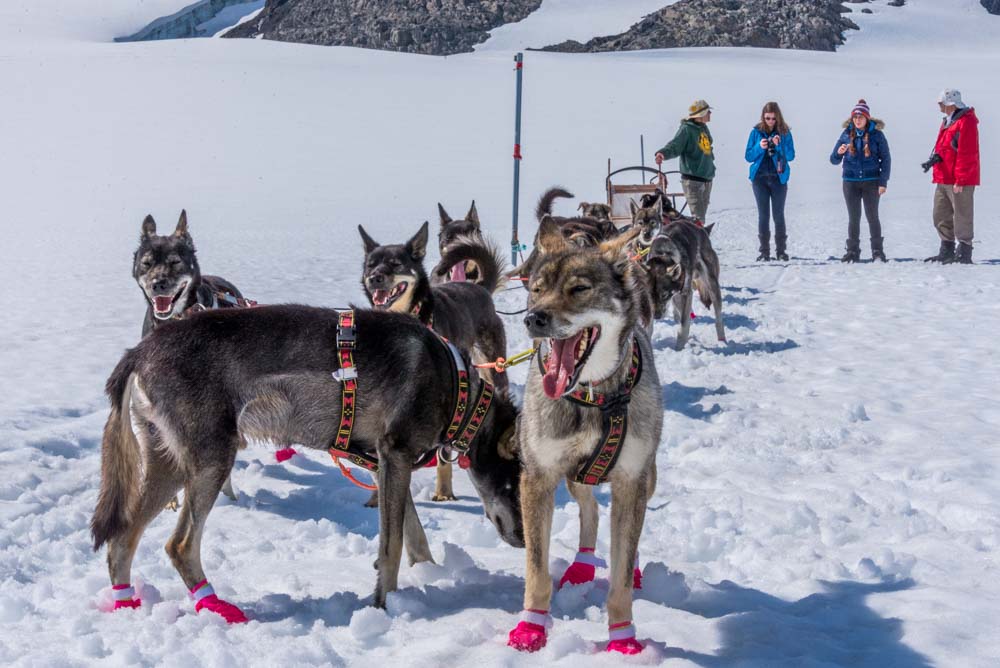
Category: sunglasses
[770,118]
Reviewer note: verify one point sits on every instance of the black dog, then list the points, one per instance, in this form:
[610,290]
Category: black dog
[166,269]
[200,388]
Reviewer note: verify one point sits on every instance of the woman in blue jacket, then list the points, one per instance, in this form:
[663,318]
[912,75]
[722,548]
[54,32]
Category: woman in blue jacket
[864,152]
[769,150]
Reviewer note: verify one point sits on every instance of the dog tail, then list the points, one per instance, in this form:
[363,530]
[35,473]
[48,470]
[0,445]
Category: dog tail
[120,463]
[544,207]
[486,256]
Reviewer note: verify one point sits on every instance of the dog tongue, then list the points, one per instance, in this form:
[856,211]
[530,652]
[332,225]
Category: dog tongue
[163,304]
[560,367]
[458,272]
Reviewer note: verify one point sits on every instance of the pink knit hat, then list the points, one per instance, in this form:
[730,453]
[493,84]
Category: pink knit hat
[862,108]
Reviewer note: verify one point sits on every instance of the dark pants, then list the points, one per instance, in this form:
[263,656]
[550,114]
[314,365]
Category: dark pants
[770,194]
[856,193]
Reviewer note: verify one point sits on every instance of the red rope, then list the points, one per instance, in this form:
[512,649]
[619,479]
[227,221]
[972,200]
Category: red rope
[350,476]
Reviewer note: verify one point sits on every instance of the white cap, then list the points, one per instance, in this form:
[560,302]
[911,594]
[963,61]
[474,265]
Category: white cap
[951,97]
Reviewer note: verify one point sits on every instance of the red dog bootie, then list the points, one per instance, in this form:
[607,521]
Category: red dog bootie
[621,638]
[636,573]
[529,634]
[125,597]
[284,454]
[205,598]
[583,567]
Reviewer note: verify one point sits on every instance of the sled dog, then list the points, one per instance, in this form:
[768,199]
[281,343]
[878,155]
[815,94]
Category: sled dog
[200,388]
[394,279]
[595,386]
[465,232]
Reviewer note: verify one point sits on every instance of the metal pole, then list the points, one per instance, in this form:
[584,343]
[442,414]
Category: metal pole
[515,245]
[642,151]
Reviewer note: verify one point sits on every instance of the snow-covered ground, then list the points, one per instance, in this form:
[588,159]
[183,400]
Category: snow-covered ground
[828,482]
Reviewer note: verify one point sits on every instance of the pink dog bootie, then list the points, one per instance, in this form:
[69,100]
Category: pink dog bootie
[284,454]
[621,638]
[530,633]
[125,597]
[205,598]
[583,567]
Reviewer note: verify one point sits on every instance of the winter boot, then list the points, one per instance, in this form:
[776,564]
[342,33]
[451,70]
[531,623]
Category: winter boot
[779,249]
[946,255]
[877,253]
[853,253]
[963,253]
[765,249]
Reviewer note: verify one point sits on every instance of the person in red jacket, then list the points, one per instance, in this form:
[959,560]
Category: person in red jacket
[956,172]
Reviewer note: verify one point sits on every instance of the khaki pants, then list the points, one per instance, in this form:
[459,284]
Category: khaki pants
[697,194]
[953,213]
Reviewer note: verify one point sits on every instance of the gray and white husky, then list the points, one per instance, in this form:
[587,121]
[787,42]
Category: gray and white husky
[583,311]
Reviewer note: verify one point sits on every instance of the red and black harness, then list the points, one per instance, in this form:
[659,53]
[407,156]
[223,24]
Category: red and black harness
[614,420]
[456,439]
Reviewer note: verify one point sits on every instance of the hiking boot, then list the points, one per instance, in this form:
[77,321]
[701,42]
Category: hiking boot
[946,255]
[779,249]
[877,253]
[963,253]
[853,253]
[765,249]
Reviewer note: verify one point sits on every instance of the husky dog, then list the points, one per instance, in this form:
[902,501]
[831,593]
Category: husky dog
[394,279]
[680,259]
[583,309]
[452,232]
[166,269]
[582,231]
[595,210]
[199,389]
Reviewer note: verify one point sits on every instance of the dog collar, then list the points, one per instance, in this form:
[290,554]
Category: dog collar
[464,424]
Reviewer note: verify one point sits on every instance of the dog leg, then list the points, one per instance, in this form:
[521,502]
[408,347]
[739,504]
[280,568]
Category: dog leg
[227,488]
[628,510]
[184,546]
[720,327]
[393,490]
[537,504]
[414,538]
[687,296]
[585,564]
[442,487]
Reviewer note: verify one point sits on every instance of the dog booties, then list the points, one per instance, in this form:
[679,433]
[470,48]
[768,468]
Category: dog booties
[125,597]
[530,633]
[583,567]
[621,639]
[205,598]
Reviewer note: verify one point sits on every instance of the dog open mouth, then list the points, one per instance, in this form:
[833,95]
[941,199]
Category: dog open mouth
[385,298]
[566,359]
[163,305]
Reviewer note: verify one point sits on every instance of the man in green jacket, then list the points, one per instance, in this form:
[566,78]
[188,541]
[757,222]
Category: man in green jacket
[693,145]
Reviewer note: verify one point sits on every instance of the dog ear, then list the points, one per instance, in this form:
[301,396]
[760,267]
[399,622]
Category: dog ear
[148,226]
[473,215]
[370,244]
[581,205]
[550,237]
[708,229]
[632,207]
[507,446]
[182,225]
[445,218]
[417,246]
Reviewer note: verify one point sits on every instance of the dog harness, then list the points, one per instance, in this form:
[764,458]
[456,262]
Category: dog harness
[614,420]
[457,437]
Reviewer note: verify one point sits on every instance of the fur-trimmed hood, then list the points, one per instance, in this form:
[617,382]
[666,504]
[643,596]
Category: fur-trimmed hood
[877,122]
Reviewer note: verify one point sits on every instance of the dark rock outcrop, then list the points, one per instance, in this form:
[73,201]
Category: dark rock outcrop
[438,27]
[816,25]
[992,6]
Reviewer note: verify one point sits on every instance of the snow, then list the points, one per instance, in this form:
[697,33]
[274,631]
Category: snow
[828,490]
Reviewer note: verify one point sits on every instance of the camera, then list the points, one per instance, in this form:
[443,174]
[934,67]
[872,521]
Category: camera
[933,160]
[770,147]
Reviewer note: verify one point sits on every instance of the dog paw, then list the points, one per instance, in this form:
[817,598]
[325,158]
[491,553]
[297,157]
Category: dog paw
[577,573]
[224,609]
[284,454]
[444,497]
[527,637]
[636,578]
[625,646]
[173,505]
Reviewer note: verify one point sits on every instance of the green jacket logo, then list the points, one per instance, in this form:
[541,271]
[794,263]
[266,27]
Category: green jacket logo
[705,144]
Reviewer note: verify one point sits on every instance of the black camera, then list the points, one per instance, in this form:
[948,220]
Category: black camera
[770,147]
[933,160]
